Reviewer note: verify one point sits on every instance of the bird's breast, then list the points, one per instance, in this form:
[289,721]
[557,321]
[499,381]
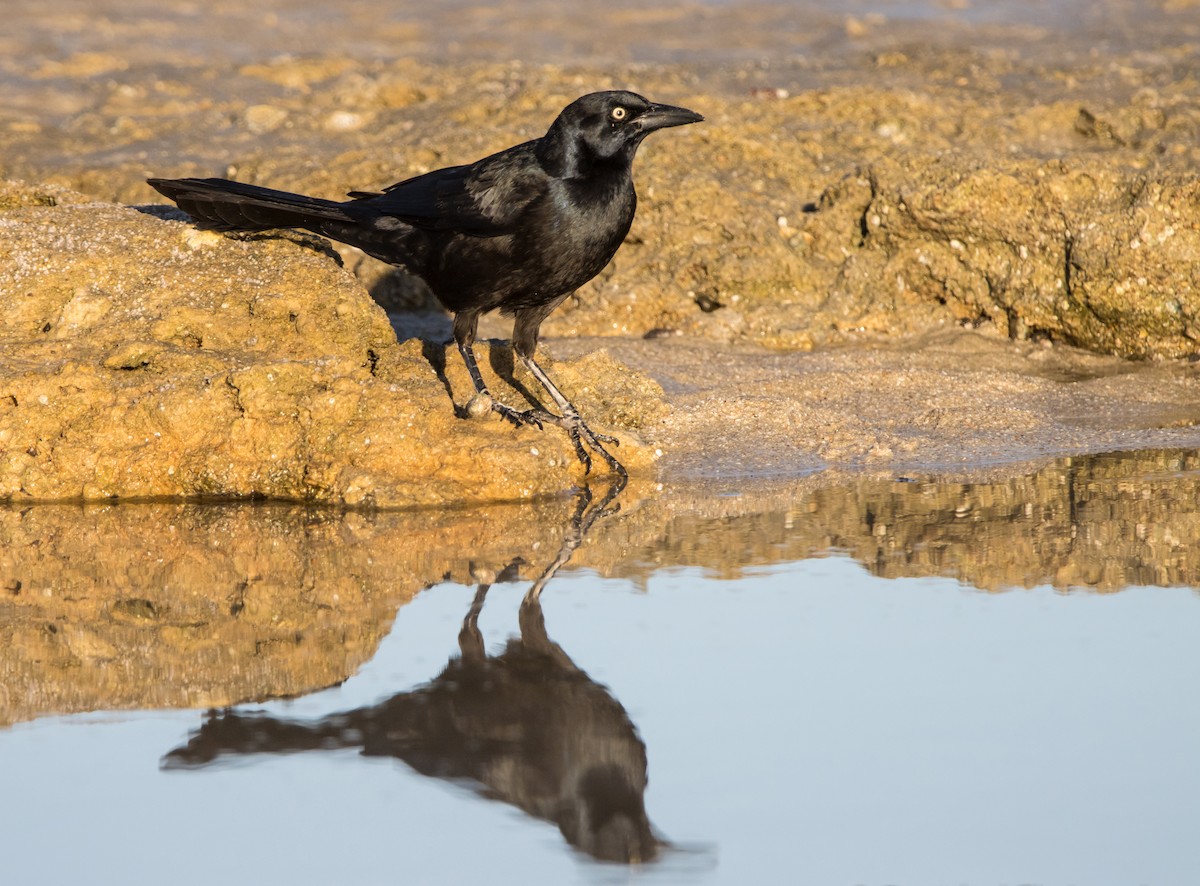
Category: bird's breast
[563,240]
[589,224]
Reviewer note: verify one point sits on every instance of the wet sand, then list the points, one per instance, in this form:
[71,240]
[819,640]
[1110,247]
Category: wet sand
[947,404]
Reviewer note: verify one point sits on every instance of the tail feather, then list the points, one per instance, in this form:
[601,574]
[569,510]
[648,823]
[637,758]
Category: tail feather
[222,205]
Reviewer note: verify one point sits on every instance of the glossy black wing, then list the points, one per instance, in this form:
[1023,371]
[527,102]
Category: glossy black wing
[484,199]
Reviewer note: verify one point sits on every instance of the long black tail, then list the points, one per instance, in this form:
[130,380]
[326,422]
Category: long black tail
[222,205]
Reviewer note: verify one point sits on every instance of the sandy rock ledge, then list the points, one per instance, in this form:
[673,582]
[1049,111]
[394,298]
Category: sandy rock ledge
[143,358]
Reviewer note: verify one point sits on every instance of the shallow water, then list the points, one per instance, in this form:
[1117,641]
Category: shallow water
[802,717]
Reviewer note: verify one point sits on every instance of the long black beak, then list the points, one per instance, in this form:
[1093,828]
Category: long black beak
[662,116]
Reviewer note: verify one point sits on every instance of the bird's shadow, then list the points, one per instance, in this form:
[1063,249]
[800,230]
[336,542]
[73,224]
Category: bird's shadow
[164,211]
[500,358]
[433,326]
[434,349]
[435,353]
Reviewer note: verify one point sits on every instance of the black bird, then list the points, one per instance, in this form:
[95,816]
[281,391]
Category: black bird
[519,230]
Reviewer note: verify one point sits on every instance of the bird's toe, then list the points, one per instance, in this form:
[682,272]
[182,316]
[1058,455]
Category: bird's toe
[584,439]
[518,417]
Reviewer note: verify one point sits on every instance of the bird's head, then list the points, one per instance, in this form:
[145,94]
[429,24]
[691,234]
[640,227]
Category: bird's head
[605,127]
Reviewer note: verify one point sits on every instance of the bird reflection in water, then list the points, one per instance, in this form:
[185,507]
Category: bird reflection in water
[526,726]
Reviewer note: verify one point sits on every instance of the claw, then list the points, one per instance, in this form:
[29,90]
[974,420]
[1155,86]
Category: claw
[582,437]
[573,431]
[528,417]
[570,421]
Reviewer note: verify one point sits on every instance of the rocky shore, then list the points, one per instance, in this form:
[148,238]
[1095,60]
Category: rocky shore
[914,253]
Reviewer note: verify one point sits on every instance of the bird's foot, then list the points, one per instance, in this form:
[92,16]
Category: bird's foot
[584,438]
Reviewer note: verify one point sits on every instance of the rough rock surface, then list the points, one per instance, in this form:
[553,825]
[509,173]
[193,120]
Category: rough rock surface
[866,181]
[1080,251]
[1036,182]
[143,358]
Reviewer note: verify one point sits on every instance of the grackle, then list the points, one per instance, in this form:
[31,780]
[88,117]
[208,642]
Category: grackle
[519,230]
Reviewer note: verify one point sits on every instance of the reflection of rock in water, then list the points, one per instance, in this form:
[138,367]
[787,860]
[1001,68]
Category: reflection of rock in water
[1104,522]
[207,605]
[527,726]
[200,605]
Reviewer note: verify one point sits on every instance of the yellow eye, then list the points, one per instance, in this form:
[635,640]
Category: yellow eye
[619,113]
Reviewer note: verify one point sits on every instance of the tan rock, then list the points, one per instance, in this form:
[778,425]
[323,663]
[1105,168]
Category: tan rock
[142,360]
[264,118]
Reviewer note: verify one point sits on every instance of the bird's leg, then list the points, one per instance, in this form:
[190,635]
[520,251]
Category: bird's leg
[581,522]
[470,640]
[583,437]
[465,325]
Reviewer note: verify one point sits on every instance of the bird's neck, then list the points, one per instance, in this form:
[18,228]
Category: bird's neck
[567,156]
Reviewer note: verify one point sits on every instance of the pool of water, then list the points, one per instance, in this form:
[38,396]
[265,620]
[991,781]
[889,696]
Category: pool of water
[720,705]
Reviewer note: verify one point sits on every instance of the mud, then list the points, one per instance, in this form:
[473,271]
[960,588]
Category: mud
[982,221]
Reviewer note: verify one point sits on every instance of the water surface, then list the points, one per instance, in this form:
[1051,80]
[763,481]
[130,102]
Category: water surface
[800,715]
